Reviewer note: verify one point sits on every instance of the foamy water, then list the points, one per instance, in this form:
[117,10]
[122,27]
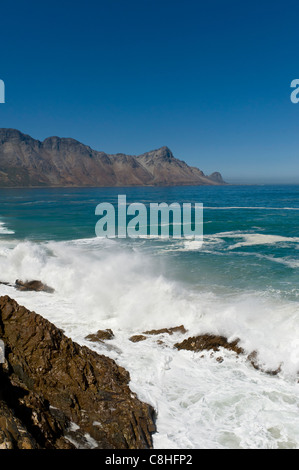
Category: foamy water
[201,403]
[242,283]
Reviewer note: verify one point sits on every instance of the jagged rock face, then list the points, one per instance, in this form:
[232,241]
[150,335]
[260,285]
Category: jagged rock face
[26,162]
[13,435]
[49,382]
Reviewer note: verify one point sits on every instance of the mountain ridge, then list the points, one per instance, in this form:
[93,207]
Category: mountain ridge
[65,162]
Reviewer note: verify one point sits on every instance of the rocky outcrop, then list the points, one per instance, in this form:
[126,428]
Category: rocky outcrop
[213,343]
[36,286]
[209,342]
[162,331]
[57,394]
[137,338]
[168,331]
[13,434]
[253,358]
[26,162]
[100,336]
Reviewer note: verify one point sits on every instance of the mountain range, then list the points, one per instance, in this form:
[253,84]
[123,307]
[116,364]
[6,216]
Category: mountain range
[62,162]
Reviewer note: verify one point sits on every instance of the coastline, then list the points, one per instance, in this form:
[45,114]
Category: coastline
[240,284]
[56,394]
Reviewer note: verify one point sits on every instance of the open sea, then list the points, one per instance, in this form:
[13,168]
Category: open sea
[243,282]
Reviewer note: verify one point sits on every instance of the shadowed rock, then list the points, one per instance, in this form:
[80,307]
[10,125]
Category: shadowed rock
[100,336]
[13,434]
[214,343]
[50,382]
[137,338]
[36,286]
[169,331]
[209,342]
[253,358]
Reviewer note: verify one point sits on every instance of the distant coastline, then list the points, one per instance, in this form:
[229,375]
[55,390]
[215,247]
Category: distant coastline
[65,162]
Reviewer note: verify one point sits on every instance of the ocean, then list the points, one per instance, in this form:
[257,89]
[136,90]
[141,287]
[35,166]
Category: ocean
[241,283]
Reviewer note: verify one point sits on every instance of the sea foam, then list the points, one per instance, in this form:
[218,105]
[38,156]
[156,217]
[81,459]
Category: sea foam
[201,403]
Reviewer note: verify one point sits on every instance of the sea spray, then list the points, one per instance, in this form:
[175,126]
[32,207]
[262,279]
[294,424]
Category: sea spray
[124,289]
[241,283]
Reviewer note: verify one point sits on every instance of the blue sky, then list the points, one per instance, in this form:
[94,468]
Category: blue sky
[209,79]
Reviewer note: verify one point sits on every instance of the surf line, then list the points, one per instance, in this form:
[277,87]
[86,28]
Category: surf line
[159,220]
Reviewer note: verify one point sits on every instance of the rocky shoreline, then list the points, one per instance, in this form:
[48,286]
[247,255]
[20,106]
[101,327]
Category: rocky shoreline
[55,394]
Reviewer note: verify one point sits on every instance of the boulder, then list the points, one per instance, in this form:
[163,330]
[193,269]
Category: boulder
[169,331]
[36,286]
[100,336]
[137,338]
[208,342]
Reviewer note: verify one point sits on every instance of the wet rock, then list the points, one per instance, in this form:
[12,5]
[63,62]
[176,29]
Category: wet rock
[51,384]
[100,335]
[213,343]
[137,338]
[253,359]
[169,331]
[36,286]
[209,342]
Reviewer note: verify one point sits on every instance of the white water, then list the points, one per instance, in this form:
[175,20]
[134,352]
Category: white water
[201,403]
[4,230]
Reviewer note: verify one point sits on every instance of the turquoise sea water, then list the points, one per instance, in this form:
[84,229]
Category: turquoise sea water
[242,283]
[250,232]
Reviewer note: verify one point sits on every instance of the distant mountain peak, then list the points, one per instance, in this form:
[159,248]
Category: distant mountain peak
[216,176]
[26,162]
[163,153]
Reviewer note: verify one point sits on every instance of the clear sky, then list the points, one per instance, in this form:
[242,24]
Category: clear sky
[209,79]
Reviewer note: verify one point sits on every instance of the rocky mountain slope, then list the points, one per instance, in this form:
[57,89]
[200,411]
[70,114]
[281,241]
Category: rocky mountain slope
[26,162]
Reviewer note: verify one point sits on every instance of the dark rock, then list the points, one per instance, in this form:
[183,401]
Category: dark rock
[208,342]
[49,382]
[100,335]
[13,434]
[253,359]
[213,343]
[36,286]
[169,331]
[137,338]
